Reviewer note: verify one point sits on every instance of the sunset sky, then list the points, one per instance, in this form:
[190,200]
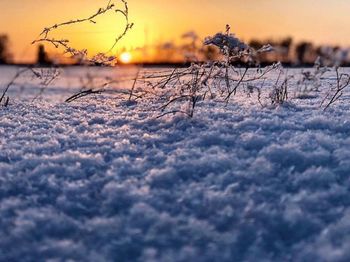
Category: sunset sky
[320,21]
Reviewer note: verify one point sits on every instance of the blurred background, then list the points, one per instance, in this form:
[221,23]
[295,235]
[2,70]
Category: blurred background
[173,31]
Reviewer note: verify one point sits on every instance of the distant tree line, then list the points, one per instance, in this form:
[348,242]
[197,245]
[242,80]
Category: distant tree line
[302,53]
[287,51]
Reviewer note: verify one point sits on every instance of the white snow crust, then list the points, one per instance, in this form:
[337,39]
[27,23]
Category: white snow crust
[103,180]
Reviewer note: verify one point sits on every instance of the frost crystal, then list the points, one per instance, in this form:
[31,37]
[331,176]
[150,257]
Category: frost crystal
[223,41]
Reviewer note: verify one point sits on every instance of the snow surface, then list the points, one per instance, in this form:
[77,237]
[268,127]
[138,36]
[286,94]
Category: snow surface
[103,180]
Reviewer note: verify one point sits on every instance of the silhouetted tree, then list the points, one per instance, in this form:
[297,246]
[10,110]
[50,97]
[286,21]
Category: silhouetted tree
[210,53]
[286,46]
[287,42]
[5,56]
[302,50]
[43,58]
[256,44]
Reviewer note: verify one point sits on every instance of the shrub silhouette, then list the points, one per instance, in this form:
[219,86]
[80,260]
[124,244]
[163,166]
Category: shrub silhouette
[5,56]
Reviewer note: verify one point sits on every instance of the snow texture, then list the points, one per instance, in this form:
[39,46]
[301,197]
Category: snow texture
[103,180]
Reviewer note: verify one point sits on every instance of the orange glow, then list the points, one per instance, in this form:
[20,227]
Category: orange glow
[161,21]
[125,58]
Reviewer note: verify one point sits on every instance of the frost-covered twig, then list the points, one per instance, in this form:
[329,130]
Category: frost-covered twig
[233,91]
[343,81]
[46,77]
[193,84]
[101,58]
[279,94]
[134,85]
[83,94]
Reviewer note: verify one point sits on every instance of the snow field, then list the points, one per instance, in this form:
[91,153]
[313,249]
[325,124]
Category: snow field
[104,180]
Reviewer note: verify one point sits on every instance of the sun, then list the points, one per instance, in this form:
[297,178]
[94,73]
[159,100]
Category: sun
[125,58]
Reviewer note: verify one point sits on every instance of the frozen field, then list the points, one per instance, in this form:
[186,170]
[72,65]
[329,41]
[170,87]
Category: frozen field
[100,179]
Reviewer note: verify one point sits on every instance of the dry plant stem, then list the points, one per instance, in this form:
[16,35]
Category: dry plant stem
[7,102]
[100,59]
[236,86]
[280,94]
[259,93]
[169,78]
[126,93]
[339,89]
[128,25]
[93,91]
[46,80]
[163,82]
[205,81]
[227,79]
[13,80]
[83,94]
[197,88]
[162,108]
[100,11]
[284,91]
[44,35]
[260,76]
[161,76]
[134,85]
